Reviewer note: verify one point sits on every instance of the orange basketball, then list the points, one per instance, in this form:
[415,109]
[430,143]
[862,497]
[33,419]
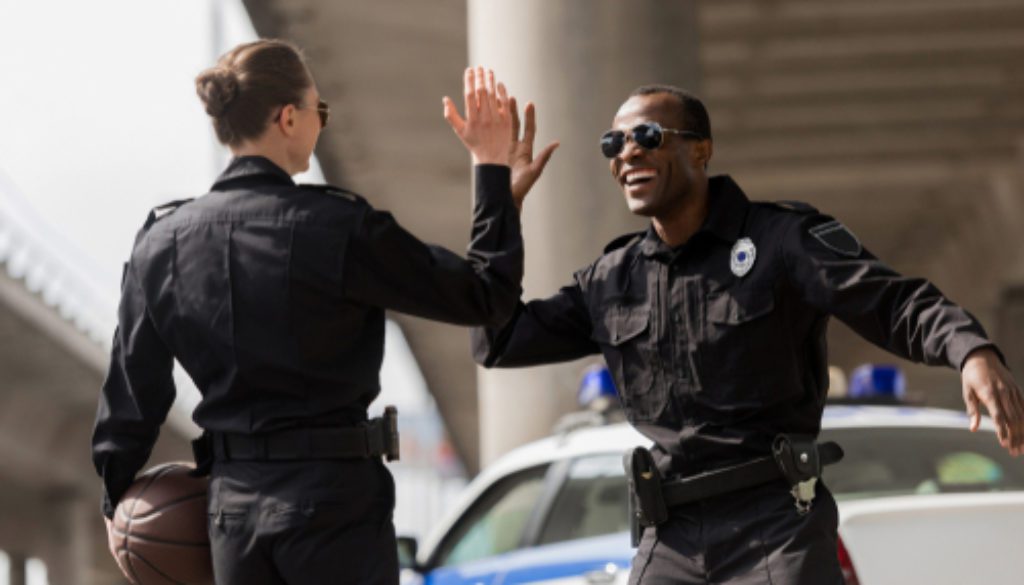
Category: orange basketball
[159,531]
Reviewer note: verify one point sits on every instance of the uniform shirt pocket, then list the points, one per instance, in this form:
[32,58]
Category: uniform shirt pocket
[624,335]
[736,307]
[620,325]
[736,357]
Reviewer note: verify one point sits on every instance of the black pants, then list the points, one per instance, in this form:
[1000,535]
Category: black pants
[749,537]
[303,523]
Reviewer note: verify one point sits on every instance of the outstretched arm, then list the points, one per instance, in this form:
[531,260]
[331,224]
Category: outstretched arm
[907,316]
[386,266]
[543,331]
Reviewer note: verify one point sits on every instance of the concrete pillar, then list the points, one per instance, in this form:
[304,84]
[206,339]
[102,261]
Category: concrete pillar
[16,574]
[68,550]
[577,60]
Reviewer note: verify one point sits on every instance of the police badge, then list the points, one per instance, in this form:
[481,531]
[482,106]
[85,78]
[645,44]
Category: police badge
[742,258]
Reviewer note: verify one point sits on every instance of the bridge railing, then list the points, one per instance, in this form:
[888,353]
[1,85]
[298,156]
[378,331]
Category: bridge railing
[50,266]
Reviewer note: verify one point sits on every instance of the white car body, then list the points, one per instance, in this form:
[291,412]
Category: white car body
[934,539]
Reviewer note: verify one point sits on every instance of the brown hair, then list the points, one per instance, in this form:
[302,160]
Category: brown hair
[248,83]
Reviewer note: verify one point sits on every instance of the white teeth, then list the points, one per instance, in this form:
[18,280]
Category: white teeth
[639,175]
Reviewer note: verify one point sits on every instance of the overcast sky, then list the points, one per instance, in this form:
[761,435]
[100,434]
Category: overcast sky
[101,123]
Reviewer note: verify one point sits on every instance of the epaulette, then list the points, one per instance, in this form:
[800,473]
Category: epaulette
[794,206]
[161,211]
[332,190]
[623,241]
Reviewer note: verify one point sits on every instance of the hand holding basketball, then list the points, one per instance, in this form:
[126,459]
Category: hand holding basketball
[158,535]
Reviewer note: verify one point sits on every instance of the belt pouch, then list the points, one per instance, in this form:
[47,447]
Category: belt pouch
[797,457]
[646,498]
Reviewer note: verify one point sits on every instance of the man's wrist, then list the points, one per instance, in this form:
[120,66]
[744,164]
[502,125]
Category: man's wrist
[986,352]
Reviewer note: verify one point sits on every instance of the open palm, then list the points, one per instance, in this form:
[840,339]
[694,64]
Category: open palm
[526,168]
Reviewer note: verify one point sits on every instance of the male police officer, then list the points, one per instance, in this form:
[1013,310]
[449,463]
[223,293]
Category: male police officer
[713,323]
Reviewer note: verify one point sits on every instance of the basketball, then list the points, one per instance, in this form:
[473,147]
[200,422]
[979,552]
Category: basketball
[159,528]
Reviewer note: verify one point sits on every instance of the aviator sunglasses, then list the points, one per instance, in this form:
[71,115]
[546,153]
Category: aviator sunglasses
[649,135]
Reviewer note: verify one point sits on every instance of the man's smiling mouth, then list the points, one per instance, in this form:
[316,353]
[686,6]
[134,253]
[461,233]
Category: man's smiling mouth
[639,176]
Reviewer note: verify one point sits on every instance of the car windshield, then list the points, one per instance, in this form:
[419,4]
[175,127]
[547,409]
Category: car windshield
[495,523]
[907,461]
[592,501]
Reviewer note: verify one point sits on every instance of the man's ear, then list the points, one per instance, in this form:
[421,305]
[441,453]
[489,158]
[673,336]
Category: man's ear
[286,121]
[702,152]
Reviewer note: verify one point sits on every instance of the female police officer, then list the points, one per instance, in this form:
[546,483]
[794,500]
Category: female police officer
[272,297]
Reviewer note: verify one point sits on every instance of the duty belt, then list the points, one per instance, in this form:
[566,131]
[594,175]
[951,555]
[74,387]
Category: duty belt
[374,438]
[796,459]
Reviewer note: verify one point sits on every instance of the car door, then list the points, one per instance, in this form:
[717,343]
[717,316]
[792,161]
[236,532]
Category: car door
[582,534]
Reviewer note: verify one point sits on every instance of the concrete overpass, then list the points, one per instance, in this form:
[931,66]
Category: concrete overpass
[52,360]
[903,119]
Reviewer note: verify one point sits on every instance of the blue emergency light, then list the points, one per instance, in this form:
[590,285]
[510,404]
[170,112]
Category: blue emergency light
[877,381]
[596,383]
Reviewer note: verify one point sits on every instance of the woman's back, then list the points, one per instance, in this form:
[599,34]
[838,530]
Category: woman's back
[272,296]
[245,285]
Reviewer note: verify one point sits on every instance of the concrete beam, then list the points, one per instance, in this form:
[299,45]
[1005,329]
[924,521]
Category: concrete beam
[865,84]
[753,20]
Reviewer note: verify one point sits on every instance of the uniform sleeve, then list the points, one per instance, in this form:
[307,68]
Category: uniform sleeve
[135,398]
[388,267]
[555,329]
[907,316]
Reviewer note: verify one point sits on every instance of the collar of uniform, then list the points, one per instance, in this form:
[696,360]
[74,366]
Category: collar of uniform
[252,166]
[727,209]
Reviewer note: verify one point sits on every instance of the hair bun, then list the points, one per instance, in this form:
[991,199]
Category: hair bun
[217,88]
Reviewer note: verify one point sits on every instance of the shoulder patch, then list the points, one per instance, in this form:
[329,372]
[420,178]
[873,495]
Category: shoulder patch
[836,237]
[793,206]
[161,211]
[332,190]
[623,241]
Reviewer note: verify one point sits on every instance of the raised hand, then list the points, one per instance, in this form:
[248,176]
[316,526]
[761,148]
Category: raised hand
[526,169]
[487,128]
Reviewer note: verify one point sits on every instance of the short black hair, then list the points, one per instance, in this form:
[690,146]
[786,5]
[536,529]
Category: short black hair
[694,116]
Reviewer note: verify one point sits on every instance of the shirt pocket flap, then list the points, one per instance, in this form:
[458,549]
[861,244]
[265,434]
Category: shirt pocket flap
[740,306]
[620,324]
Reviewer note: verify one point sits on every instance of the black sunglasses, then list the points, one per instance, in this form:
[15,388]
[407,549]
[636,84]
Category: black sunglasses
[649,135]
[325,112]
[322,108]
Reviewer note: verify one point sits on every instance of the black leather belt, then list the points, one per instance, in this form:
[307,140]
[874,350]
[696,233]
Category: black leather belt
[796,459]
[374,438]
[728,479]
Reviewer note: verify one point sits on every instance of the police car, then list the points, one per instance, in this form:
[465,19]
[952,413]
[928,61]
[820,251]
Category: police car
[921,500]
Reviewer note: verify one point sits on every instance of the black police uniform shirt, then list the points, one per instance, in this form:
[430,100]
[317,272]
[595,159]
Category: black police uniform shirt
[712,363]
[272,298]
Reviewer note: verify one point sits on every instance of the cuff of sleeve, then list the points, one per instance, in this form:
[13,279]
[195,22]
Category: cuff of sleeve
[106,507]
[959,351]
[493,183]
